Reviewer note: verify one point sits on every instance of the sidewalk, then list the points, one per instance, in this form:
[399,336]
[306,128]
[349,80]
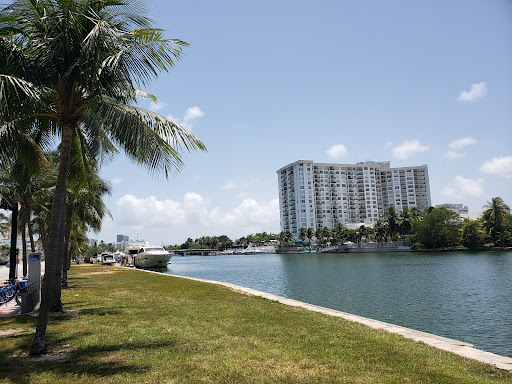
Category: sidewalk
[11,308]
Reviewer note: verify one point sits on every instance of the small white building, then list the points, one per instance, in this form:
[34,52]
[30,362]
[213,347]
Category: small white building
[460,209]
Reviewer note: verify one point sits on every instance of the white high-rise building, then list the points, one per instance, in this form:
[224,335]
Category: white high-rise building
[317,195]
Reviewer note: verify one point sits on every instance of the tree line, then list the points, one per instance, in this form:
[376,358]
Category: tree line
[433,229]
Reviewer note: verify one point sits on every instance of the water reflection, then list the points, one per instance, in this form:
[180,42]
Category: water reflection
[458,295]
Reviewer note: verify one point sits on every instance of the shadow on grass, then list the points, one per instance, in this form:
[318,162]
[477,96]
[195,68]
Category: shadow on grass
[98,361]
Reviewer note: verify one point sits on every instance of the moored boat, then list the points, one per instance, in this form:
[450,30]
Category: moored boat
[142,255]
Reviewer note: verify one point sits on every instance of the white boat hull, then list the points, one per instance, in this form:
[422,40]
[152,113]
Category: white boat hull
[151,260]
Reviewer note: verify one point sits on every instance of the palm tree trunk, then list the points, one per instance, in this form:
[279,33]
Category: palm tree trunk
[67,252]
[24,238]
[13,257]
[52,277]
[31,236]
[42,234]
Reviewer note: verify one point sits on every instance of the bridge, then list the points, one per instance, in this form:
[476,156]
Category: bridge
[196,252]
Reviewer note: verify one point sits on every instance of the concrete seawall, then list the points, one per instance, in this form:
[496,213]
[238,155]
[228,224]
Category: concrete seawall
[454,346]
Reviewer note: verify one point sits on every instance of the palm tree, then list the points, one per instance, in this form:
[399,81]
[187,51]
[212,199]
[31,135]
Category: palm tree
[495,212]
[310,234]
[85,211]
[319,234]
[338,233]
[362,232]
[302,234]
[76,65]
[404,222]
[392,223]
[22,185]
[327,234]
[4,223]
[380,230]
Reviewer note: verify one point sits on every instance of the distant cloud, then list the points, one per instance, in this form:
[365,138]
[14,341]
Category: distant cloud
[155,107]
[477,92]
[229,185]
[337,151]
[407,149]
[461,187]
[149,214]
[500,166]
[116,181]
[461,143]
[192,114]
[453,155]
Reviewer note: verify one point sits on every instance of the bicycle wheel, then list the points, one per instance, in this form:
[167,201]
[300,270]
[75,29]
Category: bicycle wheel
[18,297]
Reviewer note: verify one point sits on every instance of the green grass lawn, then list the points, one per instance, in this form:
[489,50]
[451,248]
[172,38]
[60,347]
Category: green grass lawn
[125,326]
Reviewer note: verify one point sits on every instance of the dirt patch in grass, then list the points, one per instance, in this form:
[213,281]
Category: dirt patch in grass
[11,332]
[103,272]
[60,353]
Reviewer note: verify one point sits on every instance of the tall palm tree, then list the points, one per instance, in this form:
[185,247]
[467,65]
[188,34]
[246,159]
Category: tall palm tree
[392,223]
[380,230]
[302,234]
[22,184]
[494,215]
[77,64]
[405,222]
[310,234]
[319,234]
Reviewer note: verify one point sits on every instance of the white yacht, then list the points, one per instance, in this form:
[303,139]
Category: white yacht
[142,255]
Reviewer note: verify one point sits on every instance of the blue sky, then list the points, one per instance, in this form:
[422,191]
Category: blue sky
[266,83]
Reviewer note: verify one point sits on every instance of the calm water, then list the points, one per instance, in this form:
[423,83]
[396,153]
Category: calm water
[463,296]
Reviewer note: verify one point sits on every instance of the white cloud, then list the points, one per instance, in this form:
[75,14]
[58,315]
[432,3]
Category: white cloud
[149,214]
[477,92]
[461,143]
[337,151]
[116,181]
[453,155]
[155,107]
[461,187]
[407,149]
[501,166]
[191,115]
[230,184]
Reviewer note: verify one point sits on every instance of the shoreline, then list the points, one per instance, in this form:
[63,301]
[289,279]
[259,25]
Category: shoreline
[456,347]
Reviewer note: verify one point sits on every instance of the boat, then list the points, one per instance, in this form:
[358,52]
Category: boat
[143,255]
[253,249]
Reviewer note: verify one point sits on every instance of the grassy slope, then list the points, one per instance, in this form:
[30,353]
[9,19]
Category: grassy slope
[131,326]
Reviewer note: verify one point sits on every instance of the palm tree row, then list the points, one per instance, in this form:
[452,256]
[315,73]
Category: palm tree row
[435,228]
[71,69]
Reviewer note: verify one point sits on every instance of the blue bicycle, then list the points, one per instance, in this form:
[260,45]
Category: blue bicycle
[11,290]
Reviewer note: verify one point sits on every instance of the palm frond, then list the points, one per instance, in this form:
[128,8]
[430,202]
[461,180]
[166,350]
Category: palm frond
[147,137]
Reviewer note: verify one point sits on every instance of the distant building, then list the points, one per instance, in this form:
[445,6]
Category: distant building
[93,242]
[317,195]
[121,238]
[122,242]
[460,209]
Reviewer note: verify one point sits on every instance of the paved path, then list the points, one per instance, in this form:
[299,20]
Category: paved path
[11,308]
[458,347]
